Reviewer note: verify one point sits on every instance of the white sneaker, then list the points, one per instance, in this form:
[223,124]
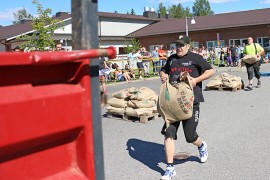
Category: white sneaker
[140,77]
[203,152]
[169,173]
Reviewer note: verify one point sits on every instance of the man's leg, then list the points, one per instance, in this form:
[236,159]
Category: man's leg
[189,127]
[257,73]
[250,70]
[170,136]
[169,149]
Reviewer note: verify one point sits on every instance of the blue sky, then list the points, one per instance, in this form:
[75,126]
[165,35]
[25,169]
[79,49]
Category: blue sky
[123,6]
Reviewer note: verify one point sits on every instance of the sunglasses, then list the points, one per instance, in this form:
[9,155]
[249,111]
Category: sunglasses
[180,45]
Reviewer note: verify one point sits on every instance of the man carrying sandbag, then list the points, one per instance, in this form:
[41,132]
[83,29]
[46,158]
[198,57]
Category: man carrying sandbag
[199,70]
[253,49]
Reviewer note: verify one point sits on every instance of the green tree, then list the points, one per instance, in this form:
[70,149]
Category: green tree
[20,15]
[202,8]
[132,12]
[177,11]
[162,10]
[134,45]
[44,27]
[188,13]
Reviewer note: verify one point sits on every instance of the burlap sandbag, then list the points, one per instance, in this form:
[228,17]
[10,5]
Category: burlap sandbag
[139,112]
[143,93]
[118,103]
[250,59]
[114,110]
[141,104]
[122,94]
[175,103]
[214,83]
[232,82]
[155,109]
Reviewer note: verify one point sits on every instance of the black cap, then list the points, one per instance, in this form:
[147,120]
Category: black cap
[183,39]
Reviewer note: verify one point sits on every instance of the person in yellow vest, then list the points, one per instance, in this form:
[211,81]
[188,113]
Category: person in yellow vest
[253,49]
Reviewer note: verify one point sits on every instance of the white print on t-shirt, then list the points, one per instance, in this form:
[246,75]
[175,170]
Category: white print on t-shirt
[196,114]
[187,63]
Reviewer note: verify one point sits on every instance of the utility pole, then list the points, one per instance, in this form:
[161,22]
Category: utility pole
[85,36]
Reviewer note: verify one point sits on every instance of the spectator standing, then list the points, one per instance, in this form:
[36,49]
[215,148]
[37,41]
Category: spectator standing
[162,56]
[199,70]
[155,60]
[173,51]
[145,61]
[131,59]
[104,72]
[194,50]
[225,49]
[238,54]
[200,51]
[253,49]
[229,57]
[212,55]
[233,54]
[205,53]
[139,63]
[222,55]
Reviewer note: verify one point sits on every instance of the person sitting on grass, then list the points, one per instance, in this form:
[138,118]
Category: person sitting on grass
[130,72]
[119,75]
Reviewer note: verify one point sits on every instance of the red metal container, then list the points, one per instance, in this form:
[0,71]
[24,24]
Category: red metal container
[45,115]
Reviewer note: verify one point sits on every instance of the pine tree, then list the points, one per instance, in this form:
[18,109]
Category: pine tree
[132,12]
[202,8]
[162,10]
[20,15]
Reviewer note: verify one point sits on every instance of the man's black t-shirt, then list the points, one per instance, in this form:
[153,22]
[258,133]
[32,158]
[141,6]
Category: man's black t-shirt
[192,63]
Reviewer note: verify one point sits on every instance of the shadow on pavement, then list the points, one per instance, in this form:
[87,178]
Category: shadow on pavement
[151,154]
[148,153]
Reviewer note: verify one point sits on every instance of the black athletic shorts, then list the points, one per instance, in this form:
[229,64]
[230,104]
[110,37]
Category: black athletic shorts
[189,127]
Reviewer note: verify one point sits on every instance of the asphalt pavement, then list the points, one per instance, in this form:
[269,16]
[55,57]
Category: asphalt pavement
[235,126]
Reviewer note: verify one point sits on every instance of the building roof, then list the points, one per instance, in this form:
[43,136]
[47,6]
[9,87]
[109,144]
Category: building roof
[210,22]
[9,32]
[127,16]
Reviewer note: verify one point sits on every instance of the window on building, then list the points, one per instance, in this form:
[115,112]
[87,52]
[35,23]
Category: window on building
[152,47]
[210,44]
[238,41]
[195,44]
[121,50]
[263,41]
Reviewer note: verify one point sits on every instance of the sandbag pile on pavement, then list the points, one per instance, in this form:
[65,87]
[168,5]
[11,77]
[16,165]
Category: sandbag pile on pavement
[133,102]
[225,80]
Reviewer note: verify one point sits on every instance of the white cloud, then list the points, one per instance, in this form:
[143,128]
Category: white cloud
[7,15]
[265,2]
